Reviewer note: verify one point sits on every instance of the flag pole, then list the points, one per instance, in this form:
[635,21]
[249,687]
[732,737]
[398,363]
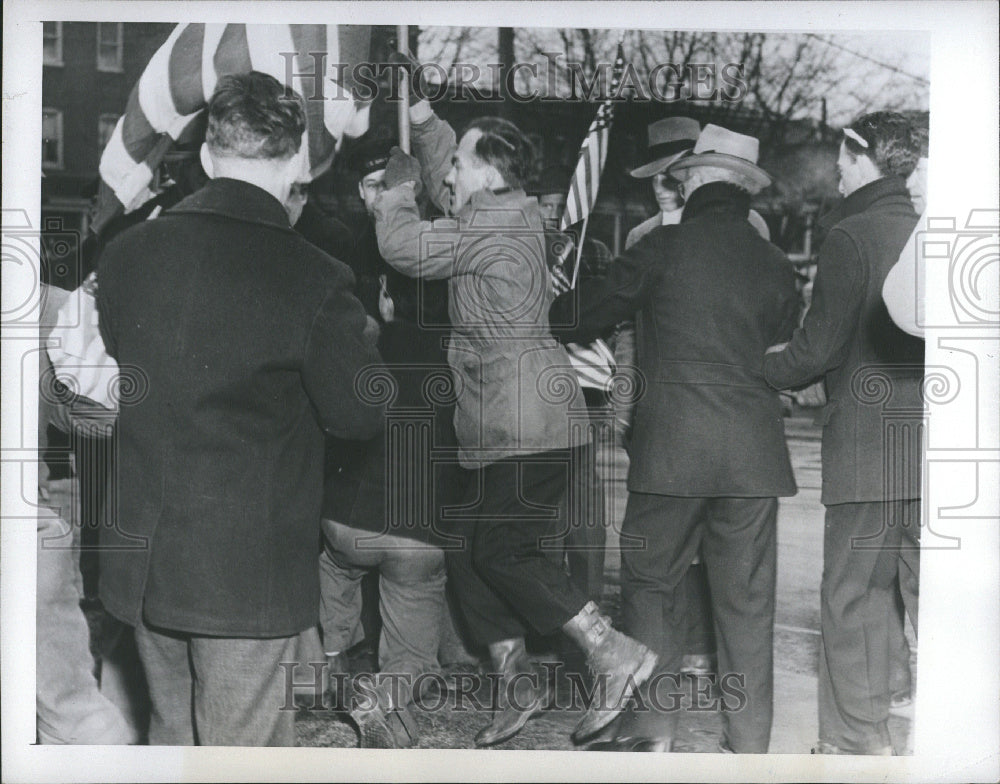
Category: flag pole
[579,251]
[402,46]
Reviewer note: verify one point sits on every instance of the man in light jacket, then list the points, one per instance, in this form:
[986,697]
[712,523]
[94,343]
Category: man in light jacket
[519,409]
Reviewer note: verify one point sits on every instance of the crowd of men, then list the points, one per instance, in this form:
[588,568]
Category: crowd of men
[433,415]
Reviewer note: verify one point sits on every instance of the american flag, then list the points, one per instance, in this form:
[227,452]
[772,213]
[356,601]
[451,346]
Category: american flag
[178,81]
[593,152]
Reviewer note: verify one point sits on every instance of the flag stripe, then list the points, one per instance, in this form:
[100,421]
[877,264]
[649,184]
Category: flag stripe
[186,81]
[233,54]
[182,75]
[585,184]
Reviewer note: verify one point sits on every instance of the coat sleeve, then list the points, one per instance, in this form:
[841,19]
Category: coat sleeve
[336,353]
[821,343]
[405,241]
[601,303]
[433,143]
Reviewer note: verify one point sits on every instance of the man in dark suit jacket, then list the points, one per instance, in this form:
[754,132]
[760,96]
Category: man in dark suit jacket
[871,431]
[708,453]
[249,339]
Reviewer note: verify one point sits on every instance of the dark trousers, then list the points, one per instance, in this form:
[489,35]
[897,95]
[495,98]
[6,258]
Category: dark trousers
[586,535]
[509,575]
[660,536]
[866,547]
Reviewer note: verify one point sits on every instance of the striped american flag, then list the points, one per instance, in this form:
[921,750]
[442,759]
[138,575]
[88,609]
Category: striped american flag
[593,152]
[180,78]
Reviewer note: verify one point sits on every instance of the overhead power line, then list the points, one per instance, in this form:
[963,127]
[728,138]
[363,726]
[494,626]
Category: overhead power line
[860,56]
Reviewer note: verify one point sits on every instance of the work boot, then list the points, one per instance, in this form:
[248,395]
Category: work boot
[384,721]
[510,660]
[617,660]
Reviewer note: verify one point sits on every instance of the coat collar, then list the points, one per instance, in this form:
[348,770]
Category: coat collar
[235,199]
[864,197]
[722,196]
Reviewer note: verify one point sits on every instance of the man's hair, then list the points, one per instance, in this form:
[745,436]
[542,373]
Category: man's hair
[252,116]
[921,133]
[503,146]
[890,142]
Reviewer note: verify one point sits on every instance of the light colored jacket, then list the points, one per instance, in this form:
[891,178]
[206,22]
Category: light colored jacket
[516,390]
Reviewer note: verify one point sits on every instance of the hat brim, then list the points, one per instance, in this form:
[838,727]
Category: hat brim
[680,169]
[657,166]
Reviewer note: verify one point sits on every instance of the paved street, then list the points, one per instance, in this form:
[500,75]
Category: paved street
[800,542]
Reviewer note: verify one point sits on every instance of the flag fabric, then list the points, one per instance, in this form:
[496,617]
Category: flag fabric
[594,364]
[179,80]
[593,152]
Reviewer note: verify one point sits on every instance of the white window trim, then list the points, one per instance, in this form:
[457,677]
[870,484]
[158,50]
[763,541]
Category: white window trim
[58,60]
[59,125]
[120,67]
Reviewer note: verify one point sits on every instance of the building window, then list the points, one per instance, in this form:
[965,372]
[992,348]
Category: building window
[52,139]
[105,127]
[52,43]
[109,46]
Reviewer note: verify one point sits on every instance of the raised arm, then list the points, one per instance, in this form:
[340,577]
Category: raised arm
[405,241]
[433,143]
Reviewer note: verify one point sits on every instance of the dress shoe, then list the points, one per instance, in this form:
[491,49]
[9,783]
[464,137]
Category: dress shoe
[623,664]
[629,743]
[515,703]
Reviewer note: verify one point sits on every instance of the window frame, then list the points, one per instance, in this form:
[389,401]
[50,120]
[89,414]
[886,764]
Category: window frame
[119,66]
[57,59]
[58,114]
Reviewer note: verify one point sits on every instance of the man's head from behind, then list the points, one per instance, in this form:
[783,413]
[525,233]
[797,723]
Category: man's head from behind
[875,145]
[493,153]
[255,133]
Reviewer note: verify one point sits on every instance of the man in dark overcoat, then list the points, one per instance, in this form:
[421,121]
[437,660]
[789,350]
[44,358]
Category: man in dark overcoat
[708,457]
[249,340]
[871,432]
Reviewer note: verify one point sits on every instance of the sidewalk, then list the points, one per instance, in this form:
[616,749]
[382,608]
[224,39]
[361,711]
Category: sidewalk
[796,638]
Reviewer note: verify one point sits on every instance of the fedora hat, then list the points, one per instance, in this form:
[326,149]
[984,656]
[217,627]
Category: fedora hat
[718,146]
[669,139]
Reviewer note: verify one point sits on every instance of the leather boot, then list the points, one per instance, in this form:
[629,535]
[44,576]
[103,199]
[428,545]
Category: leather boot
[510,659]
[617,660]
[384,720]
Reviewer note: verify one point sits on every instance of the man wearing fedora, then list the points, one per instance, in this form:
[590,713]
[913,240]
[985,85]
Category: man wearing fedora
[873,373]
[670,139]
[708,453]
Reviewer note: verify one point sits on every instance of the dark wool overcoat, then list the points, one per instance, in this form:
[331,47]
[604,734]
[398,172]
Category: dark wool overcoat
[249,341]
[712,296]
[872,369]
